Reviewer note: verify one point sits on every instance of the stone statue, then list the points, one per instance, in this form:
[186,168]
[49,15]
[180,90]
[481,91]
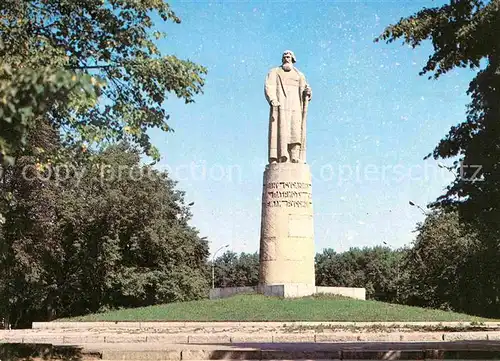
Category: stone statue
[288,95]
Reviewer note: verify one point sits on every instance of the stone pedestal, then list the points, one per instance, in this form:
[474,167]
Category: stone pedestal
[287,238]
[287,234]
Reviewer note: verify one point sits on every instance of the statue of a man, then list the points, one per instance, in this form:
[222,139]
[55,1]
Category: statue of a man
[287,93]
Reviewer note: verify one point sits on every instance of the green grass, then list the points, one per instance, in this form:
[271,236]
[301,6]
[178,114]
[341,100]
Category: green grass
[262,308]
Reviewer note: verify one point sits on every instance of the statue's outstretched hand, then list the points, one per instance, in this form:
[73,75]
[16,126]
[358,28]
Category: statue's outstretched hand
[308,92]
[275,103]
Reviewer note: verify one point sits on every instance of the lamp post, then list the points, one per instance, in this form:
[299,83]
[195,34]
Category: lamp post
[213,264]
[425,214]
[421,209]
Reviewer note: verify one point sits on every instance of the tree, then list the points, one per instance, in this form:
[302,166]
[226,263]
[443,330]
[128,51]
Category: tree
[91,71]
[57,56]
[464,33]
[233,270]
[26,94]
[374,268]
[110,233]
[28,237]
[444,265]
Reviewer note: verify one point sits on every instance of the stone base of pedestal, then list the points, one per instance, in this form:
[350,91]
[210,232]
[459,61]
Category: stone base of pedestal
[289,291]
[287,232]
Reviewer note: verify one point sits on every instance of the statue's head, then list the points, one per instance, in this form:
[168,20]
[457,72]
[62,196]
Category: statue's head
[288,59]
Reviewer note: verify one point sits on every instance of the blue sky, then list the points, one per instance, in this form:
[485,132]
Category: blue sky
[371,121]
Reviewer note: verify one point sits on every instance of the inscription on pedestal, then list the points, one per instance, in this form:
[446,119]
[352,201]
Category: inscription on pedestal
[288,194]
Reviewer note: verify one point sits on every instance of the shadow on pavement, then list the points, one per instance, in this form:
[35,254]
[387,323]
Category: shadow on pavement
[38,351]
[470,350]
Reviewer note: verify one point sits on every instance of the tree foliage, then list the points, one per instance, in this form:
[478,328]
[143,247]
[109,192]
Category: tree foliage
[464,33]
[441,267]
[100,236]
[233,270]
[374,268]
[58,56]
[26,94]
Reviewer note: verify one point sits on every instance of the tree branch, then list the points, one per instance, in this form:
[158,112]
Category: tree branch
[91,67]
[48,26]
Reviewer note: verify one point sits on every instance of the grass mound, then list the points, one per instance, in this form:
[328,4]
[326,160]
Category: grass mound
[255,307]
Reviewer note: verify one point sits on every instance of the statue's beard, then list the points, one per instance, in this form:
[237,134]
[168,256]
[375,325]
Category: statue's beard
[287,66]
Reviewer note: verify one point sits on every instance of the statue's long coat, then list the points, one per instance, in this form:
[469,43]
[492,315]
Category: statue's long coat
[285,122]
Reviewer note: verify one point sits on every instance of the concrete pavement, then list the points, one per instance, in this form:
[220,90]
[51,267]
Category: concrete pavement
[163,341]
[470,350]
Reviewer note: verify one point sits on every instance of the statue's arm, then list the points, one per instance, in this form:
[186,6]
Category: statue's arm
[304,85]
[270,87]
[309,93]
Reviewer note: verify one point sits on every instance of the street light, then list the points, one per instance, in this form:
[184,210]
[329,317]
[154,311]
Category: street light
[213,264]
[425,214]
[421,209]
